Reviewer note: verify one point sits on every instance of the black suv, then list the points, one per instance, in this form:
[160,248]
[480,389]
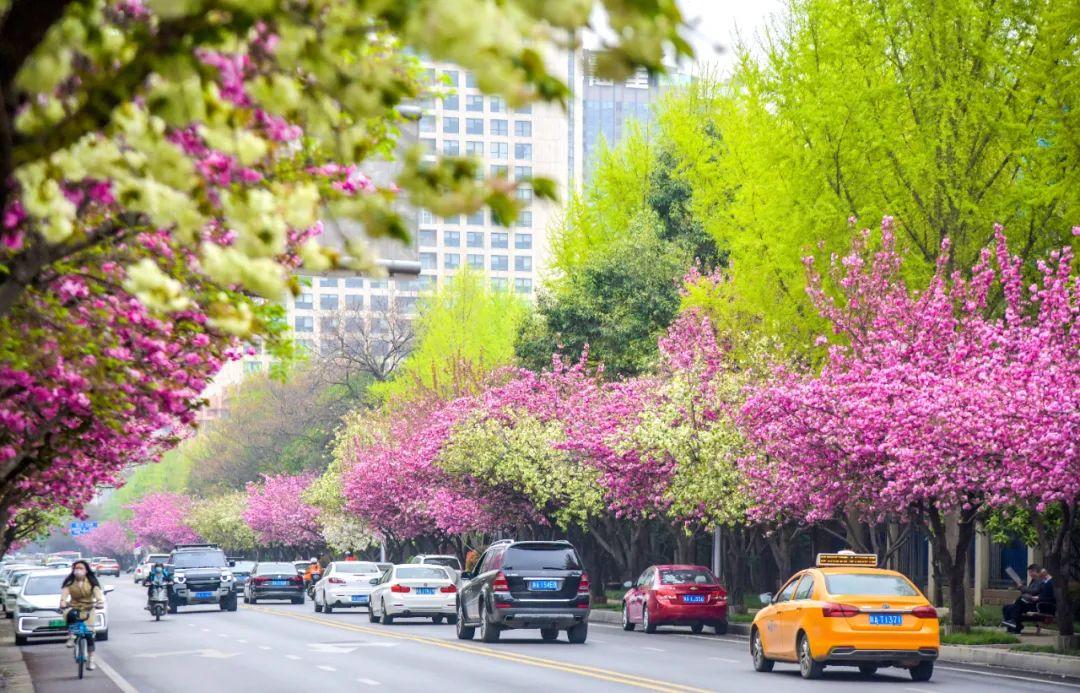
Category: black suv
[525,584]
[200,575]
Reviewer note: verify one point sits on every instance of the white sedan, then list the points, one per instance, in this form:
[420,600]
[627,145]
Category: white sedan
[345,584]
[37,609]
[15,580]
[410,590]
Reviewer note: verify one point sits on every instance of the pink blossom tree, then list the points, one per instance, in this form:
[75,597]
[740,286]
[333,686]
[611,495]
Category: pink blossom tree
[278,514]
[109,538]
[159,520]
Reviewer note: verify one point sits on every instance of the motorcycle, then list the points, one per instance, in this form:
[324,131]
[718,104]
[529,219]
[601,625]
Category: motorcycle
[315,577]
[157,602]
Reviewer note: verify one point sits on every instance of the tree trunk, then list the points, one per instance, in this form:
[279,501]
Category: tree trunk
[1057,549]
[951,561]
[684,545]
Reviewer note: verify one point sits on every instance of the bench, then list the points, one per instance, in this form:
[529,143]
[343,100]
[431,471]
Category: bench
[1039,618]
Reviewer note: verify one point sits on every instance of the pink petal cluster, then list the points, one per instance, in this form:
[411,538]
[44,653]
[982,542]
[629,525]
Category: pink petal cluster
[159,520]
[109,538]
[278,514]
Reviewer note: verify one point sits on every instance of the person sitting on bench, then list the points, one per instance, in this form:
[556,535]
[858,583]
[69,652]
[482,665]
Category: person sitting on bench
[1042,607]
[1025,602]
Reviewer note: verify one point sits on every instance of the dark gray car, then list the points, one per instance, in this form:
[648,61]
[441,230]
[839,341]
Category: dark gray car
[274,580]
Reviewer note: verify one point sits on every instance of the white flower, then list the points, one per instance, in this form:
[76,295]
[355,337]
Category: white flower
[154,288]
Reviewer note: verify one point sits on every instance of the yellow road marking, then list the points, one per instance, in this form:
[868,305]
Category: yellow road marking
[461,646]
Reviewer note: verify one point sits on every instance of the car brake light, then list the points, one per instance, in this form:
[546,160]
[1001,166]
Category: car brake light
[831,610]
[399,589]
[259,580]
[500,584]
[583,584]
[925,611]
[335,581]
[449,589]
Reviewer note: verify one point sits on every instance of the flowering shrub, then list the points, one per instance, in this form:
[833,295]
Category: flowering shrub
[159,521]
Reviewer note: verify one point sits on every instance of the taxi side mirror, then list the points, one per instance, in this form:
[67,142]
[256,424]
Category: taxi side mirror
[766,597]
[627,585]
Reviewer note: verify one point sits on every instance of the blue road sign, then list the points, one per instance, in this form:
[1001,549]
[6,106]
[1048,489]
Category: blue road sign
[79,527]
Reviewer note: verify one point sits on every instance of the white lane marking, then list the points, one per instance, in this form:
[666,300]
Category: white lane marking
[653,649]
[292,657]
[325,668]
[725,659]
[1009,676]
[240,640]
[265,647]
[918,690]
[205,630]
[369,682]
[222,635]
[191,625]
[123,684]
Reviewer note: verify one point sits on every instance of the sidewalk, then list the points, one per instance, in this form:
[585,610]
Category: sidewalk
[14,676]
[982,655]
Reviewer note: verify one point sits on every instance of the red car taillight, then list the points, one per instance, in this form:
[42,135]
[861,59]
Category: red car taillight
[449,589]
[260,580]
[297,578]
[335,581]
[831,610]
[924,612]
[500,584]
[399,589]
[583,584]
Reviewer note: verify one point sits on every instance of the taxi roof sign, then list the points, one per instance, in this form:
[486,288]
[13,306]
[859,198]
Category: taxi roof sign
[847,559]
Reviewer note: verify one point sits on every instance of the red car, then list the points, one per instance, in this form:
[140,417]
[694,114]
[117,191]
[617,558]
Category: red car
[676,595]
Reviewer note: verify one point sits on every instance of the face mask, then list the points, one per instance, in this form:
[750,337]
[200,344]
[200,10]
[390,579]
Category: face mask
[80,573]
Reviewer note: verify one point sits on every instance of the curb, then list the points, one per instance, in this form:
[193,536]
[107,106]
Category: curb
[1032,662]
[14,676]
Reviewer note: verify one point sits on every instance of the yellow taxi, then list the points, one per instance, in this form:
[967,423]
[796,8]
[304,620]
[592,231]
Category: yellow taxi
[846,611]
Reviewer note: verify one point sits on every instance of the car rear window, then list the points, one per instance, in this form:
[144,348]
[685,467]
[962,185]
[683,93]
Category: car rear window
[45,584]
[540,557]
[687,576]
[448,561]
[864,583]
[267,568]
[356,567]
[421,572]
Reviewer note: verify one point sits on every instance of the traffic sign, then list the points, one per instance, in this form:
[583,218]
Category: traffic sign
[80,527]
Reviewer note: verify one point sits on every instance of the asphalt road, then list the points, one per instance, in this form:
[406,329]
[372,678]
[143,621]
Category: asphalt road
[285,647]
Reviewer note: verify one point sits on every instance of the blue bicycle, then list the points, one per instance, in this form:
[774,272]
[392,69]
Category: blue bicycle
[82,637]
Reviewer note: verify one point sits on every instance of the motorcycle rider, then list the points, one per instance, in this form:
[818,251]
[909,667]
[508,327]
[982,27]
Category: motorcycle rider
[313,572]
[157,577]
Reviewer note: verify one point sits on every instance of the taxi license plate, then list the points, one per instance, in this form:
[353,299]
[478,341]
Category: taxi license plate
[425,590]
[543,585]
[886,620]
[694,598]
[360,598]
[279,583]
[57,623]
[204,595]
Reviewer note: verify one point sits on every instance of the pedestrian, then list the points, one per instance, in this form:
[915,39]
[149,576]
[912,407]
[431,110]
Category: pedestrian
[81,594]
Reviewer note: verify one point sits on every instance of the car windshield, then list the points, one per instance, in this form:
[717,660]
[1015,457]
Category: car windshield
[157,558]
[356,567]
[199,559]
[869,584]
[421,572]
[275,568]
[540,557]
[44,584]
[687,576]
[448,561]
[243,566]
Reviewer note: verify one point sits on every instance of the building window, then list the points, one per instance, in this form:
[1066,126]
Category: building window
[500,150]
[524,193]
[470,80]
[499,239]
[474,239]
[474,126]
[426,237]
[328,302]
[451,147]
[328,324]
[427,260]
[523,241]
[305,323]
[475,261]
[523,263]
[407,304]
[524,110]
[500,170]
[450,102]
[450,125]
[450,76]
[378,283]
[500,263]
[354,283]
[497,104]
[427,103]
[523,151]
[408,285]
[498,127]
[522,128]
[452,238]
[524,220]
[474,103]
[305,301]
[451,260]
[474,148]
[426,217]
[453,221]
[328,281]
[499,284]
[380,303]
[476,218]
[354,301]
[523,286]
[428,144]
[522,172]
[427,123]
[426,281]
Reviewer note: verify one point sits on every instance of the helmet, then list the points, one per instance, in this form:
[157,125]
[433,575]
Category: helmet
[314,560]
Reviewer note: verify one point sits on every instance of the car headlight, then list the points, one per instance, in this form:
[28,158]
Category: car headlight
[226,575]
[26,608]
[179,578]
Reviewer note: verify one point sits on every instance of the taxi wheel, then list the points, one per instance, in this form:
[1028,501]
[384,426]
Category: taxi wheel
[922,671]
[807,666]
[697,628]
[867,669]
[757,651]
[646,624]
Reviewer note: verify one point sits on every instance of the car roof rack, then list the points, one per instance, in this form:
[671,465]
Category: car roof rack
[178,547]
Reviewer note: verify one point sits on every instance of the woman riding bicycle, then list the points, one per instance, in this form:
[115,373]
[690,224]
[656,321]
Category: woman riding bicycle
[82,593]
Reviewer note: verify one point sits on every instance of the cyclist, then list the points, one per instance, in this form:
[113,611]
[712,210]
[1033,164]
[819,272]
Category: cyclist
[81,593]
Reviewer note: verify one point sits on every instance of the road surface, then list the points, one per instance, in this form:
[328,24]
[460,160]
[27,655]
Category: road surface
[284,647]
